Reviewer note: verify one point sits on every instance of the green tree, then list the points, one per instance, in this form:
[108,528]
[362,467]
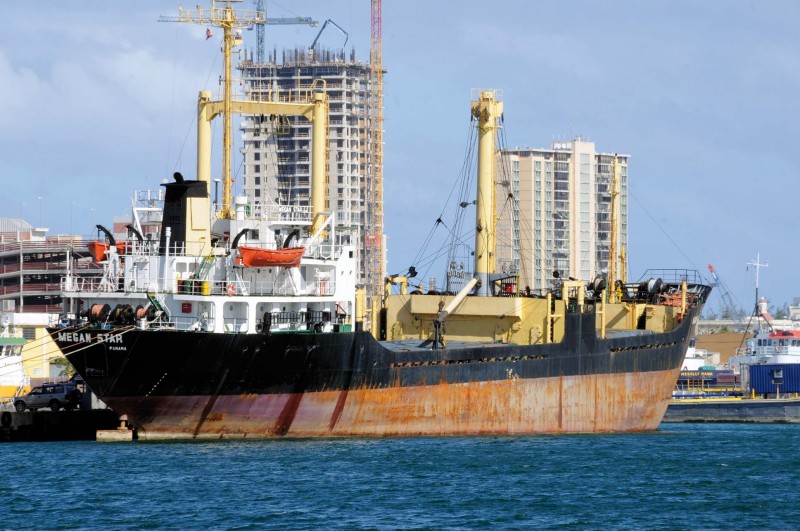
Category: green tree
[782,312]
[66,367]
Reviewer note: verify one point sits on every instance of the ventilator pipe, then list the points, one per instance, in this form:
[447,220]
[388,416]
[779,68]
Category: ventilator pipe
[457,300]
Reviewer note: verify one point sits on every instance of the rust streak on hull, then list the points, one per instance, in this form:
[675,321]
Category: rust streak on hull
[337,411]
[567,404]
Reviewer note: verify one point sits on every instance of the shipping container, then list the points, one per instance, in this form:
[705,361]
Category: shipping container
[772,378]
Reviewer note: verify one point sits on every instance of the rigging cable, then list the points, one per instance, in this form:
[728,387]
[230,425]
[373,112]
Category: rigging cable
[194,116]
[664,231]
[431,258]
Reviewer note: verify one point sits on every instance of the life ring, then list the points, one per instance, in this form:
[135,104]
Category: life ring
[230,289]
[748,350]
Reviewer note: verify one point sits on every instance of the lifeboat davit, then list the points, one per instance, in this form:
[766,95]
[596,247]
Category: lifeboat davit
[98,249]
[258,257]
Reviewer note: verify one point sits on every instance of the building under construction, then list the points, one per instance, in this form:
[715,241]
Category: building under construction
[556,206]
[276,151]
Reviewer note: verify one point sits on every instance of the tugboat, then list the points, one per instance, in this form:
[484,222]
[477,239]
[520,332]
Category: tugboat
[270,347]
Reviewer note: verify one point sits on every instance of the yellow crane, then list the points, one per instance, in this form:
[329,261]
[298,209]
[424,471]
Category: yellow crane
[232,23]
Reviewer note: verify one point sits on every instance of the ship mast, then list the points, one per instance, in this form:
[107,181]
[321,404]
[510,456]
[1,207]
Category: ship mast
[232,24]
[487,111]
[612,254]
[758,265]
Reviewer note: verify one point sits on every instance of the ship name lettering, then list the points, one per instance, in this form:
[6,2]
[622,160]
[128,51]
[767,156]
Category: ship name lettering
[75,337]
[109,338]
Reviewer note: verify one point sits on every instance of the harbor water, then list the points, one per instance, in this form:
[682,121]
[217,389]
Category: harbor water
[684,476]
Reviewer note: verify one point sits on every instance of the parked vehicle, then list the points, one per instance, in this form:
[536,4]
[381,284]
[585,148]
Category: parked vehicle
[55,396]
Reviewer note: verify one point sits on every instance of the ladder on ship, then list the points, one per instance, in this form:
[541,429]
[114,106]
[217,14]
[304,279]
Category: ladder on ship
[203,268]
[157,303]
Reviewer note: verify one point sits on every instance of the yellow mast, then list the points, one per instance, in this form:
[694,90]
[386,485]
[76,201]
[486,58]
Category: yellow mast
[612,254]
[487,111]
[225,18]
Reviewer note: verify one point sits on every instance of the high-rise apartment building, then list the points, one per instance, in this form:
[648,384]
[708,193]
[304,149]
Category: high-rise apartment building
[277,148]
[554,212]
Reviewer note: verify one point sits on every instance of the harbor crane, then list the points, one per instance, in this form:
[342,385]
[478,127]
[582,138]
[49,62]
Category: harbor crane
[728,309]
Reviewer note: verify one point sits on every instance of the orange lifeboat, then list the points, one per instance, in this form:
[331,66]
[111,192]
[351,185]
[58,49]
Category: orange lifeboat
[258,257]
[98,249]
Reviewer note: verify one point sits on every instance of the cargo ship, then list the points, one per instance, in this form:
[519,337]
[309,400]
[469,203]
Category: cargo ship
[251,325]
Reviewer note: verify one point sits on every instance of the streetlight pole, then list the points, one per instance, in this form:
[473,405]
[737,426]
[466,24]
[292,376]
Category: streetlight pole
[40,211]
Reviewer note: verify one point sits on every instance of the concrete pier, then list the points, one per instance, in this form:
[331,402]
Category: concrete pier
[784,411]
[55,425]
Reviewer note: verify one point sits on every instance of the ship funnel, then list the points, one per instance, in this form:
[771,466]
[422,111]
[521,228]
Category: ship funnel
[186,214]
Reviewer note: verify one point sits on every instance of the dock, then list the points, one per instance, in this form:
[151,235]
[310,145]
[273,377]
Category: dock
[55,425]
[767,411]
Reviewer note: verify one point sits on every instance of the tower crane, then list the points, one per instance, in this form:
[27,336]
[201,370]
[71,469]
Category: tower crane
[374,224]
[728,309]
[261,15]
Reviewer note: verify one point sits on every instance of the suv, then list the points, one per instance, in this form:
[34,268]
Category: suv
[55,396]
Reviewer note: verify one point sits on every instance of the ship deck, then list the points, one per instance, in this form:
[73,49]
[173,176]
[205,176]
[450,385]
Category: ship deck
[412,345]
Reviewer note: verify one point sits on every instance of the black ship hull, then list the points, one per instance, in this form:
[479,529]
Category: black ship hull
[174,384]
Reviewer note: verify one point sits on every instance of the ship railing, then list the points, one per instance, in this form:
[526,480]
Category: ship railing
[674,276]
[183,323]
[227,287]
[325,250]
[319,288]
[149,198]
[235,325]
[283,213]
[85,284]
[146,248]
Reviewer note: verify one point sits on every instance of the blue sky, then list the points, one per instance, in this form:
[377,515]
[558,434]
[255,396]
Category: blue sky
[99,100]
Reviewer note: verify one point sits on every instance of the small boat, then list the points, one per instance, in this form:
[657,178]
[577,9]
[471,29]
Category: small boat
[258,257]
[98,249]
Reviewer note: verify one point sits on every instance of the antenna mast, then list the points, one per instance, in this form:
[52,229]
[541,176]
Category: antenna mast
[758,265]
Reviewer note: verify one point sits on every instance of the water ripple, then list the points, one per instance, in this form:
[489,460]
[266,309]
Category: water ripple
[686,476]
